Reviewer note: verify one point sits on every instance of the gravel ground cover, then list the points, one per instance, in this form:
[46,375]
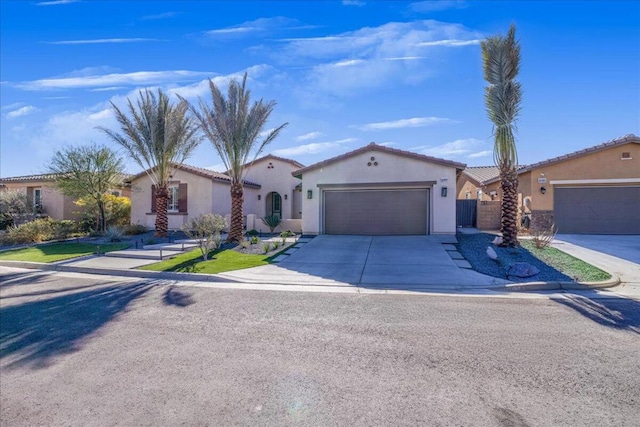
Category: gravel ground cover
[474,248]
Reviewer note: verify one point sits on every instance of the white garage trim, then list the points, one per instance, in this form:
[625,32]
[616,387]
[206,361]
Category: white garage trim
[595,181]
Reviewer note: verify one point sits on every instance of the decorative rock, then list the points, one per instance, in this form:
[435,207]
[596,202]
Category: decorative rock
[497,241]
[522,269]
[491,253]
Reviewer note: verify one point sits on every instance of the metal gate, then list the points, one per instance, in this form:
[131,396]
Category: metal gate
[466,213]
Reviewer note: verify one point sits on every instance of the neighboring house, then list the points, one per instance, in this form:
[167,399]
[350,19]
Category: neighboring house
[43,195]
[471,183]
[46,198]
[591,191]
[377,190]
[269,189]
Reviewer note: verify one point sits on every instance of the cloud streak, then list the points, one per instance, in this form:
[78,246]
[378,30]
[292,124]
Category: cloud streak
[414,122]
[22,111]
[56,2]
[460,147]
[260,25]
[308,136]
[104,41]
[313,148]
[157,16]
[450,43]
[435,6]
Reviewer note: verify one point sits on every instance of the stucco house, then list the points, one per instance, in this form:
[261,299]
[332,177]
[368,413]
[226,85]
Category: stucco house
[377,190]
[591,191]
[269,189]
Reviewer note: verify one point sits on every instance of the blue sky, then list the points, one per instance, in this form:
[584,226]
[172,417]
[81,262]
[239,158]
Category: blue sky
[343,73]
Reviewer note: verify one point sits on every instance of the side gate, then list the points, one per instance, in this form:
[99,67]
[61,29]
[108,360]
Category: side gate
[466,212]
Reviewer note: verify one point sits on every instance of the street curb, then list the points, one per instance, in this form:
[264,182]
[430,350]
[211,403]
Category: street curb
[555,286]
[195,277]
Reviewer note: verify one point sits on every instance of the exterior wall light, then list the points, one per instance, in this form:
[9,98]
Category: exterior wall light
[259,197]
[543,190]
[443,192]
[309,194]
[285,197]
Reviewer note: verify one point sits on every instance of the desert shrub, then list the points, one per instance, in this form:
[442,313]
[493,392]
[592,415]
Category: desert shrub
[287,233]
[36,231]
[253,232]
[254,240]
[276,245]
[113,234]
[65,229]
[245,244]
[271,221]
[134,229]
[117,211]
[206,230]
[15,208]
[266,246]
[543,236]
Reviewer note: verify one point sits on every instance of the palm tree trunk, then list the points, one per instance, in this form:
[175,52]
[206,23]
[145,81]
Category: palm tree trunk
[162,221]
[237,200]
[509,206]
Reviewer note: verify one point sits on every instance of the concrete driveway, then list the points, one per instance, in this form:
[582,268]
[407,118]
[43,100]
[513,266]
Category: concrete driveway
[624,247]
[395,262]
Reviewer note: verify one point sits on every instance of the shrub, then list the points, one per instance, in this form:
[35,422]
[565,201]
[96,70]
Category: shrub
[287,233]
[36,231]
[134,229]
[206,230]
[15,208]
[113,234]
[266,246]
[245,244]
[253,232]
[271,221]
[543,236]
[254,240]
[65,229]
[276,245]
[117,211]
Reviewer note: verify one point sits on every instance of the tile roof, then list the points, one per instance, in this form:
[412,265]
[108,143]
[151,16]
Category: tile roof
[206,173]
[30,178]
[629,138]
[271,156]
[481,173]
[376,147]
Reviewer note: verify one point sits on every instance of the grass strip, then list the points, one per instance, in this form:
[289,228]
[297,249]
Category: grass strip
[571,266]
[58,251]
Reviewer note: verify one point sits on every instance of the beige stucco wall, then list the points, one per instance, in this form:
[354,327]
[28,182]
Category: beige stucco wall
[465,184]
[56,205]
[276,179]
[391,168]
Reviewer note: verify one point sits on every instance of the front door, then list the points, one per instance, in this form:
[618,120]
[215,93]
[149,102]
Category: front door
[274,204]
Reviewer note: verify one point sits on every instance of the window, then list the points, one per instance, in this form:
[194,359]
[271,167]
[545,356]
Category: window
[467,195]
[479,194]
[172,202]
[37,198]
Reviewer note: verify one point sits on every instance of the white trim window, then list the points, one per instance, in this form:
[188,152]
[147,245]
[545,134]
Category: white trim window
[37,198]
[172,201]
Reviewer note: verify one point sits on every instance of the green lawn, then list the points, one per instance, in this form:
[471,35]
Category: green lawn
[58,251]
[569,265]
[218,262]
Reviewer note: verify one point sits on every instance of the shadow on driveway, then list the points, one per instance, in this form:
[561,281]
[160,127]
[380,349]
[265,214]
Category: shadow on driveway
[615,312]
[35,332]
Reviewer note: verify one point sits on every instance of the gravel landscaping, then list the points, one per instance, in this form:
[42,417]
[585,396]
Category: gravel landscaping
[474,248]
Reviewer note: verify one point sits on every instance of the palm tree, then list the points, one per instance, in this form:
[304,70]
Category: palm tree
[234,127]
[503,95]
[158,135]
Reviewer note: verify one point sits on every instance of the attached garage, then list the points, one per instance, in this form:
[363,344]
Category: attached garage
[376,211]
[597,210]
[377,190]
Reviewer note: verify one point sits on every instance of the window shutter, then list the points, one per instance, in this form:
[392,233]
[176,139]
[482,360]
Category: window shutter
[153,198]
[182,198]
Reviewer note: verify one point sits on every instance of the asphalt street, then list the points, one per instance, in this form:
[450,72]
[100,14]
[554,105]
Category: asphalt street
[98,351]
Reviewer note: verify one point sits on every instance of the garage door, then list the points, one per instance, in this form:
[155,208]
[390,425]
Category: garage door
[376,212]
[597,210]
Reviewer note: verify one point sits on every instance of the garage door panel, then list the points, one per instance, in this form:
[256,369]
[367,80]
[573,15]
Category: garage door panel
[597,210]
[376,212]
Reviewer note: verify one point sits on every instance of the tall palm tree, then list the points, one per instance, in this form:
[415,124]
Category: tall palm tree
[158,135]
[503,95]
[234,127]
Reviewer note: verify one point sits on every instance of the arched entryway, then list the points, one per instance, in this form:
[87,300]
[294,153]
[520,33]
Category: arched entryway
[274,204]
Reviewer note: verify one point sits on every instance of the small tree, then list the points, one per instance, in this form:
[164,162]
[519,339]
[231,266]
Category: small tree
[117,210]
[90,172]
[206,230]
[15,208]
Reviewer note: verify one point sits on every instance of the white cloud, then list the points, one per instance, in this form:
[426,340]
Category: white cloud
[164,15]
[265,132]
[451,43]
[103,41]
[437,5]
[201,88]
[484,153]
[218,167]
[21,111]
[260,25]
[459,147]
[56,2]
[105,89]
[414,122]
[345,64]
[114,79]
[386,144]
[353,3]
[313,148]
[13,106]
[308,136]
